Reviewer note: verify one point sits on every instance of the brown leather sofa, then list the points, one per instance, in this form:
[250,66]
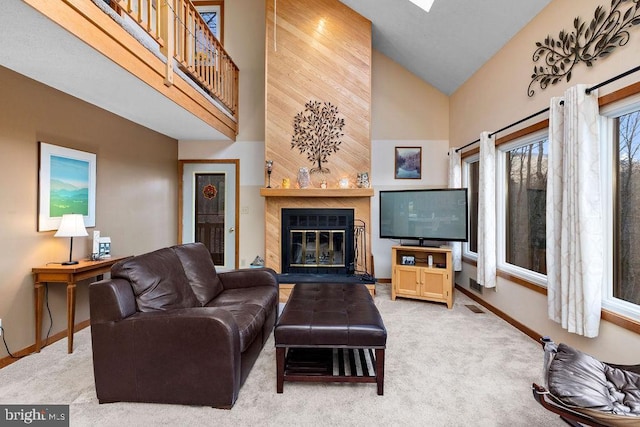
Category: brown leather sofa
[166,328]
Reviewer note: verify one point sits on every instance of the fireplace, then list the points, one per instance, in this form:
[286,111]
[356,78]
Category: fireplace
[317,241]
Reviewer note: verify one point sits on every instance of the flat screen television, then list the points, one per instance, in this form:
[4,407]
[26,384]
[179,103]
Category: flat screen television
[424,215]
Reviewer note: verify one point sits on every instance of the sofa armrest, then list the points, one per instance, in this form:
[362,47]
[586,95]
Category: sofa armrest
[111,300]
[248,277]
[190,354]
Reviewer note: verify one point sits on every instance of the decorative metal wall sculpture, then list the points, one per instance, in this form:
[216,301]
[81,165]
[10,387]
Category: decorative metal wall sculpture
[316,132]
[586,43]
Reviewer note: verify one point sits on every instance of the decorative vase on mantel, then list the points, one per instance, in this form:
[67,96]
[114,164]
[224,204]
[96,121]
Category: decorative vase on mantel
[303,177]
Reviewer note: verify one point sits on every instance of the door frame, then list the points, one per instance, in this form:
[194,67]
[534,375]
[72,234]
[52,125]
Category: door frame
[236,163]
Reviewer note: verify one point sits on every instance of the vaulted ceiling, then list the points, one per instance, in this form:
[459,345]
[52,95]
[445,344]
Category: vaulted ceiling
[443,47]
[447,45]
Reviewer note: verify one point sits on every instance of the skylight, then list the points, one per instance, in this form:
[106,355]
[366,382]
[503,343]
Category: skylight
[423,4]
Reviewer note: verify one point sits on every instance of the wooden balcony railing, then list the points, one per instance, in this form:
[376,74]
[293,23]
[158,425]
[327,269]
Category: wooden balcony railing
[144,12]
[201,54]
[183,35]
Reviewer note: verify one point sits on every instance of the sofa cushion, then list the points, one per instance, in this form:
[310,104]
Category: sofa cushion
[158,280]
[249,318]
[249,308]
[198,266]
[264,296]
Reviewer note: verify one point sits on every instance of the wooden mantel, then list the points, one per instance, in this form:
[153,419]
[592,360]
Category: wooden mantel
[316,192]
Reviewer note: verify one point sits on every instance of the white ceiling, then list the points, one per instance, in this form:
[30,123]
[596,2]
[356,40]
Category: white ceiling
[443,47]
[447,45]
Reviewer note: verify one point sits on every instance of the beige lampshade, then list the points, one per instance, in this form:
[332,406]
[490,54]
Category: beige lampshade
[72,225]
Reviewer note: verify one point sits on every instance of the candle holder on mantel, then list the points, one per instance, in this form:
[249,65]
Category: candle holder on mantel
[269,166]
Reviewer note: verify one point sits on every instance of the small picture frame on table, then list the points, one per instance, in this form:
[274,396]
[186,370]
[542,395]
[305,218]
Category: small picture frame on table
[408,260]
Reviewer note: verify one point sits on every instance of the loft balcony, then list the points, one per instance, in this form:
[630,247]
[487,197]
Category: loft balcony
[113,54]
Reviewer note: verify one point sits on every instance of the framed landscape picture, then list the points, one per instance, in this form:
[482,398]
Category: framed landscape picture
[67,184]
[408,163]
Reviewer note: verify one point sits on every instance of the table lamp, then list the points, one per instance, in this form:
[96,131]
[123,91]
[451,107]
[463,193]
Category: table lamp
[72,225]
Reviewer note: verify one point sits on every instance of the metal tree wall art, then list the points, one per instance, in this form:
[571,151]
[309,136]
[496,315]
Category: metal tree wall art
[317,131]
[587,43]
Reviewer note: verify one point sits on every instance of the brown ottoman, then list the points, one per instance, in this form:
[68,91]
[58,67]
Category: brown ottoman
[328,332]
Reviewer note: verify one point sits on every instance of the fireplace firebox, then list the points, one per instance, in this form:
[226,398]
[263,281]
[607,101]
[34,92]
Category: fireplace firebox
[317,241]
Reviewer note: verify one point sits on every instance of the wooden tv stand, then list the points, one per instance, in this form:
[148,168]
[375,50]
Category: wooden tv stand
[416,279]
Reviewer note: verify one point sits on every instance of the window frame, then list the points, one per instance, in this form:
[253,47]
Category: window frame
[501,208]
[466,181]
[608,138]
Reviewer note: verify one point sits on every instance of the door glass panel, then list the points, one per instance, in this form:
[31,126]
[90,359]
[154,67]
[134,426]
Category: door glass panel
[295,245]
[310,248]
[338,248]
[324,248]
[209,215]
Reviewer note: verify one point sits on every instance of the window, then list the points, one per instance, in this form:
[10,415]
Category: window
[212,12]
[522,199]
[526,206]
[471,178]
[621,188]
[626,133]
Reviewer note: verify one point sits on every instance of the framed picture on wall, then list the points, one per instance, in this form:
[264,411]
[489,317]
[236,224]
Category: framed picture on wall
[408,163]
[66,184]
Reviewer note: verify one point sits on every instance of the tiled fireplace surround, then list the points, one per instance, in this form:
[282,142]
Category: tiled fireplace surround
[277,199]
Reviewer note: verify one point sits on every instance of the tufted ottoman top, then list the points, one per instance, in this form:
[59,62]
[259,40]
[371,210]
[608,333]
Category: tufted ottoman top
[330,315]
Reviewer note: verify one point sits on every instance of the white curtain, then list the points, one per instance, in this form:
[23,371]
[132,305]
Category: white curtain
[575,239]
[455,181]
[487,212]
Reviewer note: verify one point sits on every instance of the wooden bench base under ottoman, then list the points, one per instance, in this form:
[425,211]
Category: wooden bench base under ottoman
[321,317]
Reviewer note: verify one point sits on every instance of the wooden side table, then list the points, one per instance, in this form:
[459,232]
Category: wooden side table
[69,274]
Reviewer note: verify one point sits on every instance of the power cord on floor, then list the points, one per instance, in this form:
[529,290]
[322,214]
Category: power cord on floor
[2,330]
[46,299]
[4,340]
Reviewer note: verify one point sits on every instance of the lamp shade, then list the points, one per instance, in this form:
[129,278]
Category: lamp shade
[72,225]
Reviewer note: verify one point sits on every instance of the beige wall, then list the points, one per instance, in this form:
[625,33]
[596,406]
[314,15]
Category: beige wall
[404,107]
[244,37]
[244,29]
[496,96]
[406,112]
[136,195]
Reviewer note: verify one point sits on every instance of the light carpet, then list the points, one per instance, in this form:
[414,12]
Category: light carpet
[443,368]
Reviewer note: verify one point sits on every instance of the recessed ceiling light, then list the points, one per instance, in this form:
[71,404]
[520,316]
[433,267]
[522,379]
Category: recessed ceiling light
[423,4]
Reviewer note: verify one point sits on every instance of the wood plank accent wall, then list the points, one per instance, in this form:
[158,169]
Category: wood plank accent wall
[316,50]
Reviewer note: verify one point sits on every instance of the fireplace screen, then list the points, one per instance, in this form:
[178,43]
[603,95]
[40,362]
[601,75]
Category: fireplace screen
[315,248]
[317,241]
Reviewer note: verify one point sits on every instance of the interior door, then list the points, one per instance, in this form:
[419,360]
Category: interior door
[209,208]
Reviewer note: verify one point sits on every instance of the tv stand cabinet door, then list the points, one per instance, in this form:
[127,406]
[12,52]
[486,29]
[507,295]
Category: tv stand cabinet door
[433,284]
[405,281]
